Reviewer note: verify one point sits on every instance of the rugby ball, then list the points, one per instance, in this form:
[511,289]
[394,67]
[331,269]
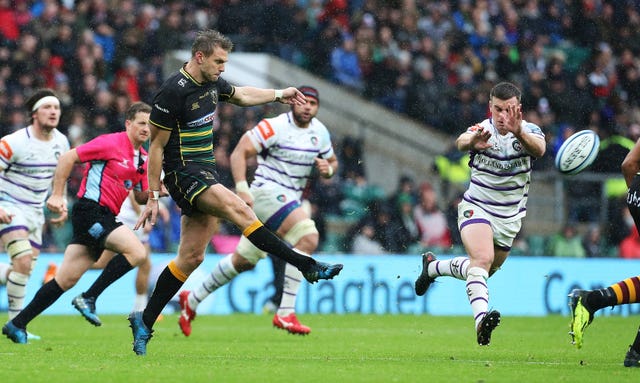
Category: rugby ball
[577,152]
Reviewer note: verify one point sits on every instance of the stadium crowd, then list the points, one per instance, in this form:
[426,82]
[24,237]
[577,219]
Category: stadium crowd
[435,61]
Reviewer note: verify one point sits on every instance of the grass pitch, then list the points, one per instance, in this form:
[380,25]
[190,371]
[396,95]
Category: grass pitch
[341,348]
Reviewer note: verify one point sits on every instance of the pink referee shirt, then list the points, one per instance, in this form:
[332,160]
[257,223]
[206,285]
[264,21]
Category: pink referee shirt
[111,170]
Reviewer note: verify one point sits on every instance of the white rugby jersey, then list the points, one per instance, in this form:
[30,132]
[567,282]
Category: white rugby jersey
[286,153]
[27,165]
[500,175]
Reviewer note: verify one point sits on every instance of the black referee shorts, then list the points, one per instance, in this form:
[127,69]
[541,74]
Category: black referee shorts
[92,223]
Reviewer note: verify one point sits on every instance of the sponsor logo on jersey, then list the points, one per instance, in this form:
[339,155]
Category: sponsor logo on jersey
[5,149]
[201,121]
[163,110]
[195,106]
[282,198]
[314,140]
[265,129]
[128,184]
[468,213]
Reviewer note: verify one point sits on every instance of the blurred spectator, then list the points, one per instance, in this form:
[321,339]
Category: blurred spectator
[630,245]
[567,243]
[431,221]
[592,242]
[364,241]
[345,66]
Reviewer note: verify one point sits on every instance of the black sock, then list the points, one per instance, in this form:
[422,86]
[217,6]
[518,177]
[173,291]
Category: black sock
[265,240]
[45,297]
[279,267]
[116,268]
[601,298]
[636,342]
[167,286]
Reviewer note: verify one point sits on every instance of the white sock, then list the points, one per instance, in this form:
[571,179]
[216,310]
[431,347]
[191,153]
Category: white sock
[16,290]
[292,279]
[140,303]
[455,267]
[222,274]
[4,273]
[478,292]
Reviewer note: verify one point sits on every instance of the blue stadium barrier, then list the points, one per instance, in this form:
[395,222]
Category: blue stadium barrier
[526,286]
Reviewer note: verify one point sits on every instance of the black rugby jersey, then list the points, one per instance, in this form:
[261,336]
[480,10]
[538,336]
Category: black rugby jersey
[186,108]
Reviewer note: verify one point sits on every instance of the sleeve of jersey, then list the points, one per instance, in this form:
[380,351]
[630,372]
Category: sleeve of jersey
[534,129]
[7,152]
[263,135]
[94,149]
[163,112]
[225,90]
[326,150]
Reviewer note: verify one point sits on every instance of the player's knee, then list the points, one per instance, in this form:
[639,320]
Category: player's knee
[241,264]
[66,281]
[303,235]
[20,252]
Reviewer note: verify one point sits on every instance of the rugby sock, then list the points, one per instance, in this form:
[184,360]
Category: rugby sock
[16,290]
[623,292]
[140,302]
[4,273]
[45,297]
[167,285]
[455,267]
[222,274]
[636,342]
[116,268]
[279,268]
[266,241]
[478,292]
[292,278]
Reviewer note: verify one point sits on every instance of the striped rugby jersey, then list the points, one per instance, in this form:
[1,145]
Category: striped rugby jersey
[500,175]
[286,153]
[27,165]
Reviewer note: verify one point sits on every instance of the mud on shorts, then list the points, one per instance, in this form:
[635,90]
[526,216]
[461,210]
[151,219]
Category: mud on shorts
[503,232]
[92,223]
[186,184]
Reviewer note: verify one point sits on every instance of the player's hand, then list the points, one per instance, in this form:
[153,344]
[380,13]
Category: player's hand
[293,96]
[513,122]
[149,214]
[5,216]
[480,139]
[324,167]
[58,205]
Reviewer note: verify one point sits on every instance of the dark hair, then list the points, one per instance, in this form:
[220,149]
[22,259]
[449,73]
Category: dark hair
[505,90]
[135,108]
[36,96]
[207,40]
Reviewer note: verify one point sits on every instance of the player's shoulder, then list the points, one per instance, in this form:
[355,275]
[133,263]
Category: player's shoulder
[532,128]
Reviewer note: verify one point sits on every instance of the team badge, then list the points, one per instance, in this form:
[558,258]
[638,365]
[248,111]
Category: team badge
[468,213]
[281,198]
[314,140]
[517,146]
[128,184]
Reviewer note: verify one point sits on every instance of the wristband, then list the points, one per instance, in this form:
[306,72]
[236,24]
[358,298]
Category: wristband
[154,195]
[278,93]
[243,187]
[330,172]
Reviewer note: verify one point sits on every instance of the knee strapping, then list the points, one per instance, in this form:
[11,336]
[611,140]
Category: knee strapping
[299,230]
[249,251]
[19,248]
